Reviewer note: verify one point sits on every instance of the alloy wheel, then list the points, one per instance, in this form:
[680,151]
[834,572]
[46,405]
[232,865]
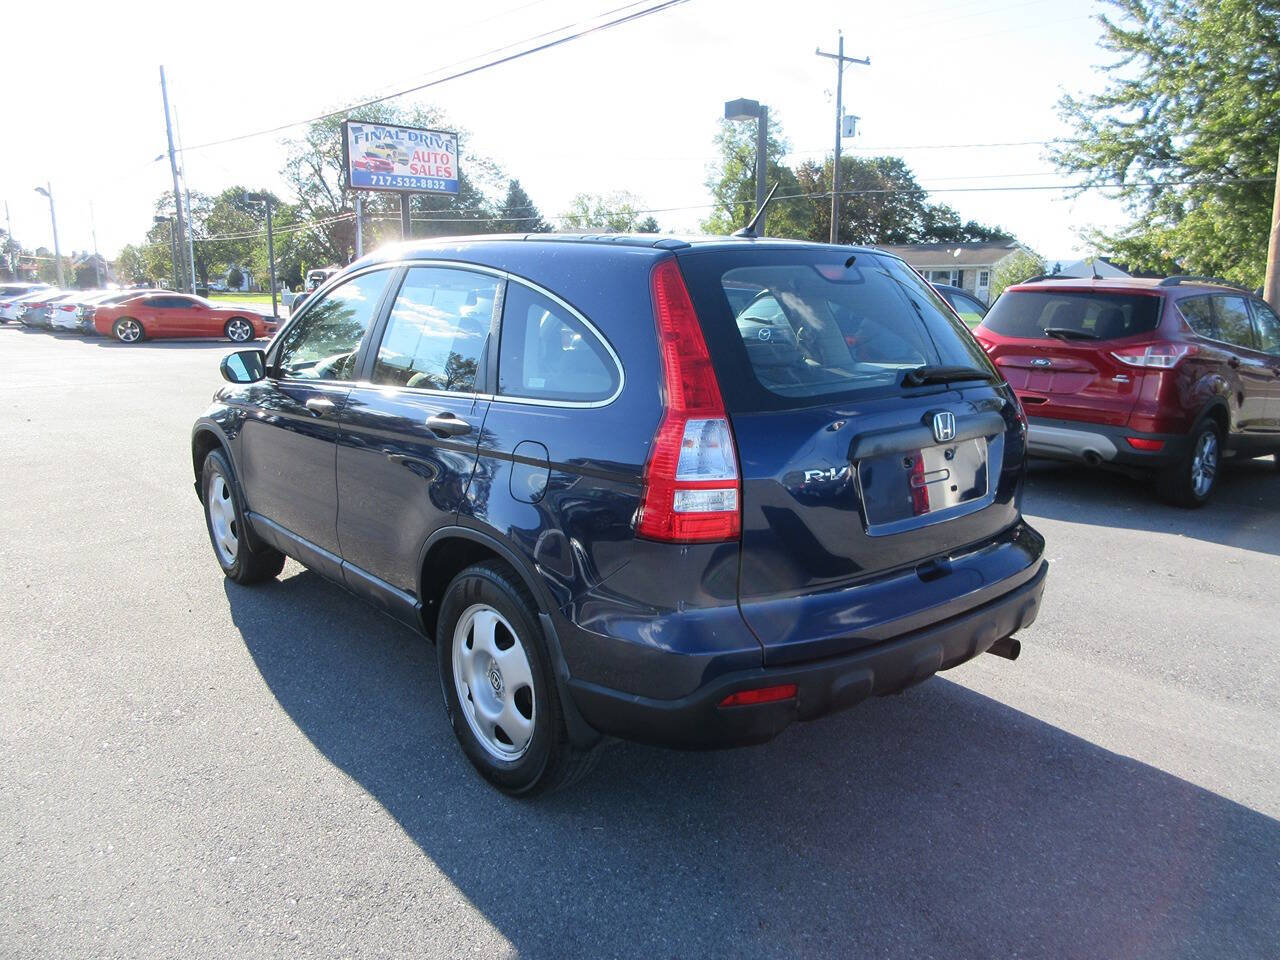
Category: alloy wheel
[1204,463]
[129,331]
[239,331]
[494,682]
[222,519]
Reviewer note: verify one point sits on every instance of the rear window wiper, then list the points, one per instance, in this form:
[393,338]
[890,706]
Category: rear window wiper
[920,376]
[1069,333]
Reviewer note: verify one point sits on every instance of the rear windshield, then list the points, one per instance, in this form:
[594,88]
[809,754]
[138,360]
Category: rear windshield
[789,328]
[1066,314]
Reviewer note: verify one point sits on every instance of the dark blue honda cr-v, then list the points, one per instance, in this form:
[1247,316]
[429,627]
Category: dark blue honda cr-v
[679,492]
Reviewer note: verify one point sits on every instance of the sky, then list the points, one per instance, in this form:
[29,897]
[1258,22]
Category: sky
[631,108]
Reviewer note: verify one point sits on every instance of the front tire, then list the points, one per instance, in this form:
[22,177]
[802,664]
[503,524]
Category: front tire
[128,330]
[499,691]
[240,560]
[1191,481]
[238,330]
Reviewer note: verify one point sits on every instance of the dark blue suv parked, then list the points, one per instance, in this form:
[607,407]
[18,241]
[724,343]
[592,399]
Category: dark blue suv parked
[678,492]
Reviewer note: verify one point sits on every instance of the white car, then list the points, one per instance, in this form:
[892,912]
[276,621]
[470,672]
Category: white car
[12,296]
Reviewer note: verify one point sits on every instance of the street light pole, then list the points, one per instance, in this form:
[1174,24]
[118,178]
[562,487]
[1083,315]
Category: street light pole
[173,247]
[47,190]
[840,60]
[743,109]
[265,198]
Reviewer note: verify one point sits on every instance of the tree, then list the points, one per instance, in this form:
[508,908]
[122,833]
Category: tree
[731,179]
[614,212]
[941,224]
[517,214]
[1188,122]
[1021,265]
[235,277]
[131,266]
[648,225]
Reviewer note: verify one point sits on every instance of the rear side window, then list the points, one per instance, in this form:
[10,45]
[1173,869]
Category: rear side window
[789,327]
[1232,314]
[547,353]
[1198,312]
[1081,315]
[436,334]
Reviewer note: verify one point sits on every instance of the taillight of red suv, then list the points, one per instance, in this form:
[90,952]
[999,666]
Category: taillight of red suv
[1160,356]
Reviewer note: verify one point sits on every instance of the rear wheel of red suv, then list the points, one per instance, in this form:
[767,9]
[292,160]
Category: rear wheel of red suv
[1191,481]
[499,690]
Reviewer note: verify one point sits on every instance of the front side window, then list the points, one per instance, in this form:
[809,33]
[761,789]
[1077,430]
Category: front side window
[1268,324]
[436,334]
[323,344]
[1233,321]
[547,353]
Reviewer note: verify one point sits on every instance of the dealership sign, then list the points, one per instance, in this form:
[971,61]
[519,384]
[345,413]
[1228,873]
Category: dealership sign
[380,156]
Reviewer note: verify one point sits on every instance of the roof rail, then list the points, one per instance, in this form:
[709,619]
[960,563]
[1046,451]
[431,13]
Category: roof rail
[1048,276]
[1188,278]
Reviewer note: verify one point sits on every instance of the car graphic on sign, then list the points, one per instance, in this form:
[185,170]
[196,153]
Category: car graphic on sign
[375,164]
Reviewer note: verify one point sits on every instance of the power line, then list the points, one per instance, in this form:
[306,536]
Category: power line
[618,21]
[815,195]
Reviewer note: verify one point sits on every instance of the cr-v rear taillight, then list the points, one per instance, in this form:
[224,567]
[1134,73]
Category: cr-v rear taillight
[1158,355]
[691,479]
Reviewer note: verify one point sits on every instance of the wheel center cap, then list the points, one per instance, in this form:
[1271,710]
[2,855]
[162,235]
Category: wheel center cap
[495,679]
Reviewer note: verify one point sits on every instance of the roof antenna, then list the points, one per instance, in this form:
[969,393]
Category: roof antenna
[750,229]
[1093,265]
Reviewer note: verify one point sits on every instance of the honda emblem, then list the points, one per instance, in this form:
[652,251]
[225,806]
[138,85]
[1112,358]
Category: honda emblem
[944,426]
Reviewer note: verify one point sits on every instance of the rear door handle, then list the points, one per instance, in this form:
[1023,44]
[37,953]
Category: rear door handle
[319,406]
[447,425]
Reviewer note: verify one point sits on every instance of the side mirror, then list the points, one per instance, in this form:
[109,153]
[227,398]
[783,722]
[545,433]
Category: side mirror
[244,366]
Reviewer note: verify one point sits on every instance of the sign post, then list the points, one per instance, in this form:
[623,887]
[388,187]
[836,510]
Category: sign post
[403,160]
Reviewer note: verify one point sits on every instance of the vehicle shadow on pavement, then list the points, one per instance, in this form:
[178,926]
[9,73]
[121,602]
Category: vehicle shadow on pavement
[1244,511]
[940,823]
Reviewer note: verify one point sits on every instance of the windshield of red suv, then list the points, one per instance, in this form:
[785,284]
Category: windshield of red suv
[1072,314]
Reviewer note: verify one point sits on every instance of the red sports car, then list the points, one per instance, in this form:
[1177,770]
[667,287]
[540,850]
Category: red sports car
[158,313]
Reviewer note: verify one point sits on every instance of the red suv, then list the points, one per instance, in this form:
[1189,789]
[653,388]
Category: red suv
[1168,376]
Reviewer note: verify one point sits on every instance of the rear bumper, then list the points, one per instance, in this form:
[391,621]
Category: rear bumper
[823,686]
[1101,445]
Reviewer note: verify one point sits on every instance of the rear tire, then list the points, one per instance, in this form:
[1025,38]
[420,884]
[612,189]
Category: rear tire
[238,330]
[128,330]
[495,672]
[240,560]
[1191,481]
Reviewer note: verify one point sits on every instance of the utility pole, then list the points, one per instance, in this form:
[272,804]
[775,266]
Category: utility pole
[1271,285]
[404,216]
[186,195]
[97,257]
[840,60]
[173,168]
[47,190]
[9,242]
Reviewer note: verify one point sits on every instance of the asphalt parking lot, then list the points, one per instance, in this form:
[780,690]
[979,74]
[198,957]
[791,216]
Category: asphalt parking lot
[192,768]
